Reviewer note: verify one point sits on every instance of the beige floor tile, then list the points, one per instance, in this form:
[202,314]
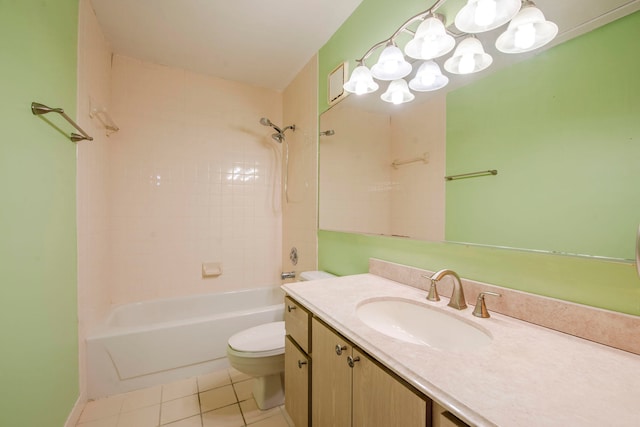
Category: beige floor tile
[244,389]
[143,417]
[179,389]
[252,413]
[101,408]
[111,421]
[229,416]
[141,398]
[237,376]
[178,409]
[217,398]
[213,380]
[277,420]
[187,422]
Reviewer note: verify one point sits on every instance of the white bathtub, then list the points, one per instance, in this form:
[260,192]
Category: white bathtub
[155,342]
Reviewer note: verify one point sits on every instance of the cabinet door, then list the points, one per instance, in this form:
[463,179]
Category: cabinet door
[296,383]
[380,400]
[330,378]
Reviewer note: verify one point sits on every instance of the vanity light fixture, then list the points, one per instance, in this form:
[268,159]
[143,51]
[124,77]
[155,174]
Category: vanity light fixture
[361,81]
[391,65]
[527,31]
[397,92]
[429,77]
[468,58]
[478,16]
[431,39]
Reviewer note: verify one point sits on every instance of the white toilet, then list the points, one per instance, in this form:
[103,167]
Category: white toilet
[259,352]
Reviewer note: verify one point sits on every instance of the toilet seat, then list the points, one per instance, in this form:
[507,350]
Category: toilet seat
[259,341]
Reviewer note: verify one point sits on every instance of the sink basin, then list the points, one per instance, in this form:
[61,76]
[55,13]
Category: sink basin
[420,324]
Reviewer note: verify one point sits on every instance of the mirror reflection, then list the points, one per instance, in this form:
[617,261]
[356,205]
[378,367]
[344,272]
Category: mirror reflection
[560,128]
[382,173]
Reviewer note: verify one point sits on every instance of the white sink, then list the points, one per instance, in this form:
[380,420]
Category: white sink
[415,323]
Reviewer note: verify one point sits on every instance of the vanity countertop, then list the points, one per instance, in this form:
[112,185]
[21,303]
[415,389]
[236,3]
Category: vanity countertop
[527,375]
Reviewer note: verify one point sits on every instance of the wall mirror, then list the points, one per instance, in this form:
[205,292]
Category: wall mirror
[560,128]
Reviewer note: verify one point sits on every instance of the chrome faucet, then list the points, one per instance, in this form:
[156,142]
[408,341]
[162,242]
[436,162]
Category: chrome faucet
[457,296]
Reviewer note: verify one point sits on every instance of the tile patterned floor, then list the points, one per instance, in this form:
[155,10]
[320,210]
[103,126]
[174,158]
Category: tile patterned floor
[219,399]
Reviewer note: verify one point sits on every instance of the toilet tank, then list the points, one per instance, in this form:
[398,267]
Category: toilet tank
[315,275]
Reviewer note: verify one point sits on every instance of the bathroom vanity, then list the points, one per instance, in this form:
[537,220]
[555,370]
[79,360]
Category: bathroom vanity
[347,386]
[347,371]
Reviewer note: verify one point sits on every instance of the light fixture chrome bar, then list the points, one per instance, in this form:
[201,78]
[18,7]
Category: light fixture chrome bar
[402,28]
[424,159]
[38,109]
[471,175]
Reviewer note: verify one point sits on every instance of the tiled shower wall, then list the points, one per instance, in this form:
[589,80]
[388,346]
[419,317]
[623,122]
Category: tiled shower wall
[193,178]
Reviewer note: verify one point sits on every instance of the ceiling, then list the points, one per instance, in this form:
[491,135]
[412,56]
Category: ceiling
[258,42]
[266,43]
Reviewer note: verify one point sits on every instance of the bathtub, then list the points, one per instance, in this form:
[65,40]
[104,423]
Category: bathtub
[154,342]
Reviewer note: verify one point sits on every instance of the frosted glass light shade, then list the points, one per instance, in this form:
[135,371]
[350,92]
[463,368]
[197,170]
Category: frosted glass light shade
[397,93]
[428,78]
[391,65]
[361,81]
[430,41]
[527,31]
[468,58]
[478,16]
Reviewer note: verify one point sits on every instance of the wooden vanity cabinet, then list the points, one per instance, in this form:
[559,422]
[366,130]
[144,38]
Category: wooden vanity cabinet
[297,363]
[351,389]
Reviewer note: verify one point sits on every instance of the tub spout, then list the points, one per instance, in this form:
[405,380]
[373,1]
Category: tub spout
[288,275]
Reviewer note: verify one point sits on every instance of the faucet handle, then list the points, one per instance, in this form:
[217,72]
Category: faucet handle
[433,290]
[481,308]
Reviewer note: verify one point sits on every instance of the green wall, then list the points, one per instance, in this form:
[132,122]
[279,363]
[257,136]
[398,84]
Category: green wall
[560,128]
[38,319]
[599,283]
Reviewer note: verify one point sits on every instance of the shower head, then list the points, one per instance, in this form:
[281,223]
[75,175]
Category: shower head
[279,135]
[266,122]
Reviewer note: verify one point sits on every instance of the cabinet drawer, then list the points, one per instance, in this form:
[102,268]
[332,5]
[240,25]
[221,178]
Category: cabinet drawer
[297,320]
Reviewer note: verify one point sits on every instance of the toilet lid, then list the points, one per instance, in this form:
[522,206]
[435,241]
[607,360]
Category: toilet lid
[267,337]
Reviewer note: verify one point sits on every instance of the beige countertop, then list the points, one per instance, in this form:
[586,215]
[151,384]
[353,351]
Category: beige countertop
[526,376]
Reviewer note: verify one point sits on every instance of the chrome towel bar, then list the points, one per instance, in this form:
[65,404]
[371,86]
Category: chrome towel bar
[38,109]
[471,175]
[424,159]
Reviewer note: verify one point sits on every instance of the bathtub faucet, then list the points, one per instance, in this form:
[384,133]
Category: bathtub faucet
[288,275]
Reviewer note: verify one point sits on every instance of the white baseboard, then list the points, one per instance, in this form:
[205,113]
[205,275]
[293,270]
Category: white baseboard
[74,415]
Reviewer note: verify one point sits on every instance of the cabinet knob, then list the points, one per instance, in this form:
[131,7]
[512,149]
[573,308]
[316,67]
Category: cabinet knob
[340,348]
[300,363]
[291,307]
[352,360]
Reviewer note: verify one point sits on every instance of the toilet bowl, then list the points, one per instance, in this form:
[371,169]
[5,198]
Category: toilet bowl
[259,352]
